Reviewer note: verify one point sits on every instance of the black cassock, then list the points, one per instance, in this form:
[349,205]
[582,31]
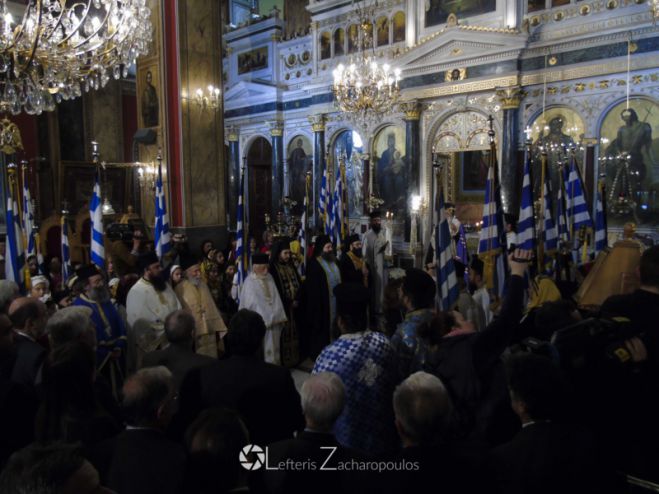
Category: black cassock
[316,305]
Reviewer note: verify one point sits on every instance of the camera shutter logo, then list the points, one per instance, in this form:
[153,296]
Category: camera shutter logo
[252,457]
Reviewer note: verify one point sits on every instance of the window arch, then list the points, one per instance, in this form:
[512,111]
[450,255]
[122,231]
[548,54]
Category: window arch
[325,46]
[339,42]
[398,21]
[382,31]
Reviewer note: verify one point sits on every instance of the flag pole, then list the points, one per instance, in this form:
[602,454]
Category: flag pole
[541,222]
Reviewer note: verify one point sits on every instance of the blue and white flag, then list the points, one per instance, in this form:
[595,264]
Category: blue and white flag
[98,250]
[28,220]
[301,234]
[526,223]
[561,220]
[14,255]
[326,196]
[240,237]
[492,241]
[462,253]
[162,237]
[67,269]
[447,283]
[550,232]
[578,215]
[601,241]
[337,211]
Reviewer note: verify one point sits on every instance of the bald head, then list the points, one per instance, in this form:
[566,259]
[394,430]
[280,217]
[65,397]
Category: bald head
[179,328]
[29,315]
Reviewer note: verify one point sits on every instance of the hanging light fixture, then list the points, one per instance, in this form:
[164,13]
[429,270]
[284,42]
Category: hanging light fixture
[365,89]
[60,48]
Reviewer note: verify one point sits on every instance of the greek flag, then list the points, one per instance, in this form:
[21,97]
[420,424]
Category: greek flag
[563,233]
[98,250]
[301,234]
[526,223]
[240,237]
[447,283]
[462,252]
[327,206]
[28,220]
[601,241]
[66,254]
[14,255]
[492,240]
[549,229]
[162,238]
[337,211]
[578,215]
[322,205]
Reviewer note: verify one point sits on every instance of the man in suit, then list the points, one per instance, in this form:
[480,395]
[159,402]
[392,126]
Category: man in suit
[143,460]
[29,317]
[264,394]
[546,455]
[179,357]
[323,397]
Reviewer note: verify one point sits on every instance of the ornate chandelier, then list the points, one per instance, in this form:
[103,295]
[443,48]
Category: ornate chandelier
[61,47]
[366,90]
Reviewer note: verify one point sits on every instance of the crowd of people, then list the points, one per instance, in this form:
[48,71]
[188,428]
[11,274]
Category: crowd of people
[153,379]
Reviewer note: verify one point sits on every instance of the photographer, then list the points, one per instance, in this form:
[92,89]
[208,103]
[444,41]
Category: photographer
[117,240]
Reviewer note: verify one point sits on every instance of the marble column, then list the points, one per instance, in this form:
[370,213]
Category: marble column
[510,99]
[318,127]
[277,133]
[233,174]
[412,111]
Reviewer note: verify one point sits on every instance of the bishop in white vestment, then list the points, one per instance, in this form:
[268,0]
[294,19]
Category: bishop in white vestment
[259,293]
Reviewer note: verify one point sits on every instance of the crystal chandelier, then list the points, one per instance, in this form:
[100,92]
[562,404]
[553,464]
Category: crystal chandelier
[366,90]
[61,47]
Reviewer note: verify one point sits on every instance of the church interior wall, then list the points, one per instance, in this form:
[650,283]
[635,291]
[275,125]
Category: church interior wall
[575,47]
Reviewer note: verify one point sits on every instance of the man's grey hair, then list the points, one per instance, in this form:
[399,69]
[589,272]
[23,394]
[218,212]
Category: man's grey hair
[323,397]
[422,407]
[144,393]
[8,292]
[69,324]
[179,326]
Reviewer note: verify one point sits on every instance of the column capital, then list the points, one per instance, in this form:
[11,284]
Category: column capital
[232,133]
[276,128]
[412,109]
[510,97]
[317,122]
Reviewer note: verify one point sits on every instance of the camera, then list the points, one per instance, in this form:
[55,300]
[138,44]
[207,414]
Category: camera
[119,231]
[595,342]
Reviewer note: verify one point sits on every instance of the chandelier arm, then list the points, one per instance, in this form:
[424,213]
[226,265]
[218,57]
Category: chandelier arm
[100,26]
[74,29]
[57,25]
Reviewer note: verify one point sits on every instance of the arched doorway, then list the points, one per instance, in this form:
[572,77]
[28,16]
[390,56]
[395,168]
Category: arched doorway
[259,162]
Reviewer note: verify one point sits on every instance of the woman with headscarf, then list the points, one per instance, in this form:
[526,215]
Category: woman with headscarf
[542,290]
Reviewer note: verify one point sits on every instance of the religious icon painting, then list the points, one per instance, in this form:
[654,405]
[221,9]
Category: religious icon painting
[253,60]
[560,130]
[300,158]
[393,178]
[349,147]
[629,157]
[437,11]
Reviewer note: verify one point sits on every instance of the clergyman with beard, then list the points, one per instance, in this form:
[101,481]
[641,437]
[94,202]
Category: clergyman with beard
[323,274]
[287,280]
[259,293]
[149,302]
[195,296]
[375,245]
[110,328]
[353,267]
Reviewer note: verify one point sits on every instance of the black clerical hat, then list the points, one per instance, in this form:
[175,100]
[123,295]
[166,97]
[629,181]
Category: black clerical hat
[188,260]
[85,272]
[147,259]
[351,299]
[322,241]
[352,239]
[375,214]
[260,259]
